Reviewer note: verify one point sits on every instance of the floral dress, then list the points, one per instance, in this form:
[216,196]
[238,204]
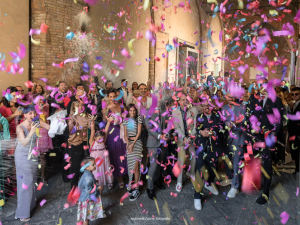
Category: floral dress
[88,208]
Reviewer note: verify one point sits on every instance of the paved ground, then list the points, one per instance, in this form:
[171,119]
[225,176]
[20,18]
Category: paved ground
[180,210]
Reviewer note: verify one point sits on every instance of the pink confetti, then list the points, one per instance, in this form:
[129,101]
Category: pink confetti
[55,105]
[40,186]
[24,186]
[98,175]
[294,117]
[66,205]
[176,170]
[126,195]
[42,202]
[125,53]
[121,65]
[70,176]
[67,166]
[297,193]
[284,217]
[116,138]
[173,194]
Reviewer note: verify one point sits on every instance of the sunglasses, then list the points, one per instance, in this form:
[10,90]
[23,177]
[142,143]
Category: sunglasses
[294,94]
[21,91]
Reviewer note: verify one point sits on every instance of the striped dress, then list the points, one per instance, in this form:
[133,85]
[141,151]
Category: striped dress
[132,130]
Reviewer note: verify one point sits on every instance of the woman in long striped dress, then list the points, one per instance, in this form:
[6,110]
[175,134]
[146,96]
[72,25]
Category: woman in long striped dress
[132,132]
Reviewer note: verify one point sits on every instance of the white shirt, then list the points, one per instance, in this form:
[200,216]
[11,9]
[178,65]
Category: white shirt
[57,124]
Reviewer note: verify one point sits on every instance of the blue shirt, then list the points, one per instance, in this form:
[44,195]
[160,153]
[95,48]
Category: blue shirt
[86,185]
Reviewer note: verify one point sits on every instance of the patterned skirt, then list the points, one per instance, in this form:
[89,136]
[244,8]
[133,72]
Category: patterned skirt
[90,210]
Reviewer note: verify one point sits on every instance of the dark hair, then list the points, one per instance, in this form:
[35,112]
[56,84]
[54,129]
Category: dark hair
[182,93]
[5,101]
[142,85]
[100,133]
[86,160]
[43,90]
[79,85]
[136,84]
[28,108]
[279,88]
[108,82]
[60,82]
[166,101]
[111,91]
[296,89]
[123,80]
[129,107]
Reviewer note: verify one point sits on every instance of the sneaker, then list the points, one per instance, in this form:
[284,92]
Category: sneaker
[104,215]
[212,189]
[179,187]
[226,182]
[197,204]
[135,194]
[232,193]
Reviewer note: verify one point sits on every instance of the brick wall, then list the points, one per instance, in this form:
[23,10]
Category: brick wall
[58,15]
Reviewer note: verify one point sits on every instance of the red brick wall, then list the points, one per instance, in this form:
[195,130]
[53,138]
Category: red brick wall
[58,15]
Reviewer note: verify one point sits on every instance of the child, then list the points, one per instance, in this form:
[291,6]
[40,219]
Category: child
[100,154]
[89,202]
[44,142]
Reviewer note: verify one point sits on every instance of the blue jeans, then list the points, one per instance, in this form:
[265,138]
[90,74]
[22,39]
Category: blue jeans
[235,164]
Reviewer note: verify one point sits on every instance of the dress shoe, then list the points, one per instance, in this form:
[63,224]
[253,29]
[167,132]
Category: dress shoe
[261,200]
[151,194]
[159,185]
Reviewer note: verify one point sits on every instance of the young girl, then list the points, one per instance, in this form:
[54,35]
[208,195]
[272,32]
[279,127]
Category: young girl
[89,202]
[44,142]
[98,152]
[133,129]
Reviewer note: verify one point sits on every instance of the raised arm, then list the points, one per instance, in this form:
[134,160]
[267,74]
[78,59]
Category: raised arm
[44,125]
[92,133]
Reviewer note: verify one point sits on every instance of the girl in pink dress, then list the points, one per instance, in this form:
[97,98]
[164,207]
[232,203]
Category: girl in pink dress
[103,172]
[44,142]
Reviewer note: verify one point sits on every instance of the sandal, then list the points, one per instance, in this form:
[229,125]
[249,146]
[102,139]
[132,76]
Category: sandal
[23,220]
[110,186]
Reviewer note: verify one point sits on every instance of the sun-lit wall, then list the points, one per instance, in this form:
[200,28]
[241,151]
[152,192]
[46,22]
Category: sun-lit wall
[214,48]
[184,25]
[106,14]
[14,29]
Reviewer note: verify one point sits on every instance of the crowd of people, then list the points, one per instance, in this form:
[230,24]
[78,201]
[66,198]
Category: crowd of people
[150,134]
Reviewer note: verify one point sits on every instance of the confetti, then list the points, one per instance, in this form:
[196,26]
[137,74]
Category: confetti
[42,202]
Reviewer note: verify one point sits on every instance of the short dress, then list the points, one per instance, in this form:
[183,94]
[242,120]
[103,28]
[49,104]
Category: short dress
[89,209]
[102,172]
[44,142]
[136,155]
